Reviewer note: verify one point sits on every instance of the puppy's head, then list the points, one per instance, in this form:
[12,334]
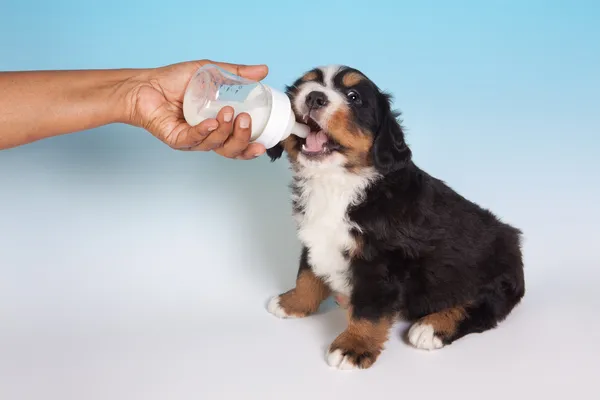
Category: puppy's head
[351,122]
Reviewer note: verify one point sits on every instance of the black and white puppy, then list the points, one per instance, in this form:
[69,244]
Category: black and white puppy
[383,236]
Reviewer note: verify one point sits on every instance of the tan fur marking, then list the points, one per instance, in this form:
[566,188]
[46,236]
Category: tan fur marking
[306,297]
[363,341]
[352,78]
[445,322]
[310,76]
[357,249]
[358,144]
[289,145]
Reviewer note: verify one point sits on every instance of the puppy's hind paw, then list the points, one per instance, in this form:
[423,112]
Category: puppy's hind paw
[422,336]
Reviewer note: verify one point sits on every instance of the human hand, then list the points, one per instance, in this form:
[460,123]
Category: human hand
[155,103]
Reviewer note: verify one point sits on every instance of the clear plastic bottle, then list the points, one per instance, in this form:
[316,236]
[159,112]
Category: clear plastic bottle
[213,88]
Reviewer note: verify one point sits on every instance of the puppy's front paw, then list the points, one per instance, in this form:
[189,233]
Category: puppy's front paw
[422,336]
[275,308]
[291,305]
[301,301]
[346,359]
[352,353]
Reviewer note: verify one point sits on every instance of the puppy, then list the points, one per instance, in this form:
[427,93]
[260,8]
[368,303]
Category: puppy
[383,236]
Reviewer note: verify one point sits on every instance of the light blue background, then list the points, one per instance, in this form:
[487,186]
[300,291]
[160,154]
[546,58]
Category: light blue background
[110,231]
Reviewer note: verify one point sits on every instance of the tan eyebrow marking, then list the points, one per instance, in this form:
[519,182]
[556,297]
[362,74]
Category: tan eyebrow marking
[352,78]
[310,76]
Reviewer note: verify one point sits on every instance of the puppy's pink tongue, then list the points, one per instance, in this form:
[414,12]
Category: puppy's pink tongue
[315,141]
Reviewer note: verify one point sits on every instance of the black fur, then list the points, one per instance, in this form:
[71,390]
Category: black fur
[425,248]
[275,152]
[390,152]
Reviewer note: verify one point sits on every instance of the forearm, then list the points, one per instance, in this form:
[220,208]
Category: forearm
[42,104]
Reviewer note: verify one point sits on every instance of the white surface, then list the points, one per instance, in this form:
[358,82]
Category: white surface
[138,274]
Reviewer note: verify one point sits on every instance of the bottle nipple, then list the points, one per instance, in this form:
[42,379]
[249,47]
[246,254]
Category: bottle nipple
[301,130]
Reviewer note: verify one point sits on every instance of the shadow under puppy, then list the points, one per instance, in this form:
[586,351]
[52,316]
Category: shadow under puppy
[383,236]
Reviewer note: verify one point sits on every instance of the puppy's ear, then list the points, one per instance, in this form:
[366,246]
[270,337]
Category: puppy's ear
[390,152]
[275,152]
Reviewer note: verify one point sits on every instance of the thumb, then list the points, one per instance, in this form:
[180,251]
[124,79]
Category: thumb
[252,72]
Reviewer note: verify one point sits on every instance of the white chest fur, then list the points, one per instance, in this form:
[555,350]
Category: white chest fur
[324,195]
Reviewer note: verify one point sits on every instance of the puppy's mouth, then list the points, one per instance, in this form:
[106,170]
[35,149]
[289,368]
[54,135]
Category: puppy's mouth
[318,143]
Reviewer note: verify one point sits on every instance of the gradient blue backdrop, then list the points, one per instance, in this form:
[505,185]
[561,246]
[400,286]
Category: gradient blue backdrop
[499,98]
[510,86]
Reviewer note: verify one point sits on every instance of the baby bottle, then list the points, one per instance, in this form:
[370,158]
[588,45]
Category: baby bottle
[213,88]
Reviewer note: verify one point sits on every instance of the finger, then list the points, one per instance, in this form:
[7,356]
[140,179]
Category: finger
[200,132]
[218,137]
[192,136]
[239,140]
[252,151]
[253,72]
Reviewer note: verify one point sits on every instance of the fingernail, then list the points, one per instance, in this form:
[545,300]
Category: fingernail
[228,116]
[244,122]
[212,128]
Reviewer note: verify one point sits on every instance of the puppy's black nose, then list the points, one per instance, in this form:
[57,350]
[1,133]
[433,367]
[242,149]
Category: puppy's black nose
[316,100]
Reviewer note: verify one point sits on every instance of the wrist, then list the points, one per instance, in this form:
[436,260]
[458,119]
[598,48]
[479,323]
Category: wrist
[125,95]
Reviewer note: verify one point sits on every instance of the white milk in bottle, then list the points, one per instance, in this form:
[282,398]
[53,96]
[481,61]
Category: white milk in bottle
[213,88]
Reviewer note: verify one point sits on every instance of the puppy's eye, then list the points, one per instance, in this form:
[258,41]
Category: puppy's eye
[354,97]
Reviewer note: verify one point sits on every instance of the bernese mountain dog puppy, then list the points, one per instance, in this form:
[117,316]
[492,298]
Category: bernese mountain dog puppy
[384,237]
